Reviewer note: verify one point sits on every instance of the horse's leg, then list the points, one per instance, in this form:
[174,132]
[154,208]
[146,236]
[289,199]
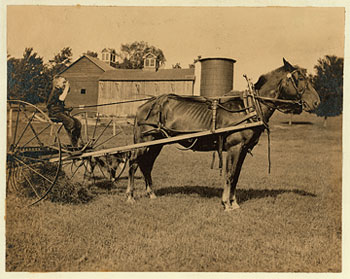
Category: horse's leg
[146,162]
[234,161]
[132,166]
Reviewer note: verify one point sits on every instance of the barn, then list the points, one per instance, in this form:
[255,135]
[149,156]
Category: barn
[83,76]
[120,84]
[94,81]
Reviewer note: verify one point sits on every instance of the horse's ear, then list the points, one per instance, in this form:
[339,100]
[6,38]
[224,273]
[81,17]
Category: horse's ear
[287,66]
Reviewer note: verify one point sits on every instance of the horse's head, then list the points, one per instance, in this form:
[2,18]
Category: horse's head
[289,83]
[296,86]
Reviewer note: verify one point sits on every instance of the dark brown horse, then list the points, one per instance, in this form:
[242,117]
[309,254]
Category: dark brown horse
[171,115]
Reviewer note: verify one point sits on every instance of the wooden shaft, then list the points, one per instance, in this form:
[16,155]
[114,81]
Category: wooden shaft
[123,149]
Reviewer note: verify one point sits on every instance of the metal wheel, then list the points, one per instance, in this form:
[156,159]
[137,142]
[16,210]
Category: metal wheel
[33,161]
[96,134]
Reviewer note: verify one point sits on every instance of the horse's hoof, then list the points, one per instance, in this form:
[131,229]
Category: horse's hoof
[231,207]
[130,200]
[152,196]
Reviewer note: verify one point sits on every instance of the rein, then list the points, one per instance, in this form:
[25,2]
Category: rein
[257,100]
[270,102]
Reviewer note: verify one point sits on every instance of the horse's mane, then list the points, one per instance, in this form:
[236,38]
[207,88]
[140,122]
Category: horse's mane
[263,79]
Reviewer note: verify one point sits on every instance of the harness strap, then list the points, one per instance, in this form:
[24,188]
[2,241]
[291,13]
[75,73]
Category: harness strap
[234,110]
[268,148]
[278,100]
[255,97]
[214,108]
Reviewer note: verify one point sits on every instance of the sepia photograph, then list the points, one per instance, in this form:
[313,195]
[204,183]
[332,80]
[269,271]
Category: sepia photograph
[193,139]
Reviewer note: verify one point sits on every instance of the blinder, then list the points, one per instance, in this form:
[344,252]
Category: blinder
[295,82]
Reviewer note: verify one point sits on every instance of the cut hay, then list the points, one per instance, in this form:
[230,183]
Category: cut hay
[64,190]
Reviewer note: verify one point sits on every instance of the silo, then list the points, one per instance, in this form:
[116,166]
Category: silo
[216,76]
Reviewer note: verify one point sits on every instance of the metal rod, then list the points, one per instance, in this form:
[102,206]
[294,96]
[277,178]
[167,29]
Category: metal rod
[37,135]
[10,123]
[86,127]
[17,118]
[98,138]
[24,130]
[33,170]
[107,140]
[32,128]
[97,119]
[114,103]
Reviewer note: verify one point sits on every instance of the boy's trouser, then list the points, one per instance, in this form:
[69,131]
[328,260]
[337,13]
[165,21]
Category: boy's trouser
[71,124]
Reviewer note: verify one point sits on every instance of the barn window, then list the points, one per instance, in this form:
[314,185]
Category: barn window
[83,91]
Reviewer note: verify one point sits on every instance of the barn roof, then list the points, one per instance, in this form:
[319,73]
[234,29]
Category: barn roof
[141,75]
[99,63]
[103,65]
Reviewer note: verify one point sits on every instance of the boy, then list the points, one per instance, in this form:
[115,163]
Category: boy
[56,108]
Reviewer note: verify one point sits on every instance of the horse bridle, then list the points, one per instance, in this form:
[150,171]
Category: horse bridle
[294,81]
[299,91]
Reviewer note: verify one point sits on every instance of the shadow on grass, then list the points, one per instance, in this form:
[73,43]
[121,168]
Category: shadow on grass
[298,123]
[242,194]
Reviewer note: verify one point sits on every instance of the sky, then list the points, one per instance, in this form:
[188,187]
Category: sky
[258,38]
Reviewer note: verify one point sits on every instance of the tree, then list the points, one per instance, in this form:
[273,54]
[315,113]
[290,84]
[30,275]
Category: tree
[92,53]
[176,66]
[26,77]
[61,61]
[328,82]
[132,55]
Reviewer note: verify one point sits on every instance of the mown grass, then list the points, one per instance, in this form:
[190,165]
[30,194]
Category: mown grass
[289,221]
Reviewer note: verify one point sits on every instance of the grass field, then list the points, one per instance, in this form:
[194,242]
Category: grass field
[289,221]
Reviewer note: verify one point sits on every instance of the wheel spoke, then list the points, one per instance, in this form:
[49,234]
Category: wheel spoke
[105,128]
[32,128]
[36,193]
[97,118]
[101,171]
[106,140]
[23,131]
[9,174]
[44,129]
[33,170]
[17,120]
[75,171]
[86,127]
